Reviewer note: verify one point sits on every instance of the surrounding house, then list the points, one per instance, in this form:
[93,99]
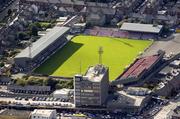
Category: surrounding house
[166,89]
[96,19]
[125,102]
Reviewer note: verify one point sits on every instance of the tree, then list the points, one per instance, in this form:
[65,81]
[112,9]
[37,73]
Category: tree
[50,82]
[65,84]
[1,64]
[21,82]
[9,12]
[58,86]
[34,31]
[21,35]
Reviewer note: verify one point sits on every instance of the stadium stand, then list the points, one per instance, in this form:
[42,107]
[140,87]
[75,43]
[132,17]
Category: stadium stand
[42,48]
[105,32]
[140,65]
[108,32]
[147,36]
[142,28]
[139,69]
[134,35]
[93,32]
[117,33]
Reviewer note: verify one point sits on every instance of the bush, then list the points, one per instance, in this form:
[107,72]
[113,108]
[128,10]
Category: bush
[22,35]
[35,81]
[21,82]
[64,84]
[1,64]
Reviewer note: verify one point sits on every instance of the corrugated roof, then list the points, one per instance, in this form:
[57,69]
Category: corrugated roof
[43,42]
[139,66]
[136,27]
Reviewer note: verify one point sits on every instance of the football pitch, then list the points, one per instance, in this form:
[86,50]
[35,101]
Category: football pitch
[80,53]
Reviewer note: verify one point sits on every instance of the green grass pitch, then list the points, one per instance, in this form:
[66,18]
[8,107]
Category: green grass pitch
[118,53]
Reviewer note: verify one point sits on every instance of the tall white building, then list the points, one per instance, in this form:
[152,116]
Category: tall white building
[43,114]
[92,88]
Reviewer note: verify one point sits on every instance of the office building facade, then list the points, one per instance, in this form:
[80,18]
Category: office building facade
[92,89]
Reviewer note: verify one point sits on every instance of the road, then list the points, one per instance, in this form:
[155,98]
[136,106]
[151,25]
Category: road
[37,103]
[169,46]
[166,109]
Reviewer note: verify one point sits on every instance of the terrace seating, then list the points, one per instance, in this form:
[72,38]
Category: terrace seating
[109,32]
[147,36]
[140,66]
[116,34]
[134,35]
[93,32]
[105,33]
[87,32]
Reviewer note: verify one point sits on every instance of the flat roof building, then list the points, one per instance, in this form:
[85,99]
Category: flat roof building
[125,102]
[92,88]
[139,91]
[43,114]
[145,28]
[43,47]
[62,93]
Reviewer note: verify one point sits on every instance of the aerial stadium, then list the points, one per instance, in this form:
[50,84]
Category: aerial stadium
[82,51]
[56,55]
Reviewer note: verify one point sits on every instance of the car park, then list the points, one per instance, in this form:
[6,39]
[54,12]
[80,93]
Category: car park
[33,98]
[36,98]
[26,98]
[19,98]
[47,99]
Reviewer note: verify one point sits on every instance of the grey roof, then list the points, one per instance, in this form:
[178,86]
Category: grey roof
[54,1]
[166,70]
[37,1]
[43,42]
[137,27]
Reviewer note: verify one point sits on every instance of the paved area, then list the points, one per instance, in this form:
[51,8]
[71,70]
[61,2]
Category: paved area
[39,103]
[15,112]
[172,45]
[165,110]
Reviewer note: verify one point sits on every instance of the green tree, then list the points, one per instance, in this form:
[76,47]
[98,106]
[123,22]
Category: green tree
[21,35]
[9,12]
[21,82]
[50,82]
[1,64]
[34,31]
